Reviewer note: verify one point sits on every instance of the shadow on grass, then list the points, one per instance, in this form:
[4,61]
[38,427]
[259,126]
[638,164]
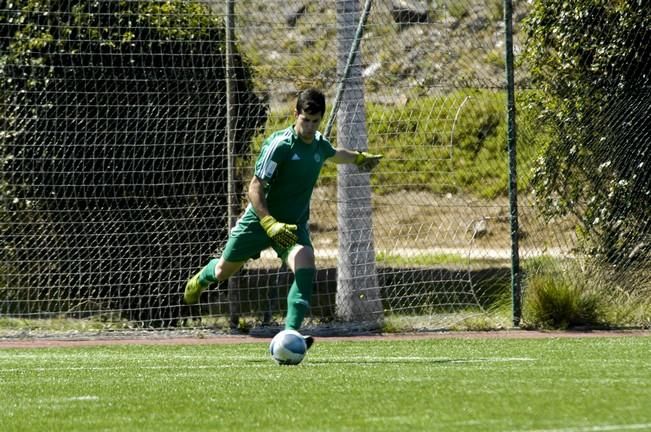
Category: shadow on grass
[417,360]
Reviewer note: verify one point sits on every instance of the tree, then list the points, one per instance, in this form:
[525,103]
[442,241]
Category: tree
[590,61]
[115,150]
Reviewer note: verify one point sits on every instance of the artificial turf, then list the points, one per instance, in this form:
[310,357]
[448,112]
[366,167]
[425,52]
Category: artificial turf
[555,384]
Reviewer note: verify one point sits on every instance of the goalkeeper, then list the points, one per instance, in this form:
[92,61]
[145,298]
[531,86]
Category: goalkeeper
[279,206]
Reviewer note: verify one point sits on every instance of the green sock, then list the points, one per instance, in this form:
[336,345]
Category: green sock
[298,298]
[207,274]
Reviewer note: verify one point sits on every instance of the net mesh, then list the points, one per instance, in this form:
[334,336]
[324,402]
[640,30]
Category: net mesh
[115,168]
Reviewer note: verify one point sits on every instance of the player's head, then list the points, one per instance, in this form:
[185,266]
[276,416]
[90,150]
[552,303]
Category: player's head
[311,101]
[310,107]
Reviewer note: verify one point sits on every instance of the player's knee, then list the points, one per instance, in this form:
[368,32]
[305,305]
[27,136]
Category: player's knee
[307,254]
[220,275]
[301,257]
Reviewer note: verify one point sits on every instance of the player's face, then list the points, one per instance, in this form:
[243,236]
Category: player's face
[306,125]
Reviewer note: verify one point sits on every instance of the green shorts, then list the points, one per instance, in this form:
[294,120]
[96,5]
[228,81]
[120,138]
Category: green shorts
[247,239]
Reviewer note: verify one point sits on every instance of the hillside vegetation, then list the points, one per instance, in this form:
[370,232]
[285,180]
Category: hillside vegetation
[431,153]
[434,90]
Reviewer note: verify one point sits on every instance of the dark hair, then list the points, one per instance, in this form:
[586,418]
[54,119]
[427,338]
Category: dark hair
[311,101]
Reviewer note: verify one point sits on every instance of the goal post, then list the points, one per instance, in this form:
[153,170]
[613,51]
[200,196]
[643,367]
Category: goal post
[358,294]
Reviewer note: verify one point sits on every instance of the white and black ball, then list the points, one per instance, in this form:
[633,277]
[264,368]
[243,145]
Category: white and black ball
[288,347]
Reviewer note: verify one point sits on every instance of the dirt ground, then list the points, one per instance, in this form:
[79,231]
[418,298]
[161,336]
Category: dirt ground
[425,220]
[149,339]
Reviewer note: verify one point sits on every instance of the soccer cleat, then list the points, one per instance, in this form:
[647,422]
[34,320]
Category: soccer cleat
[309,340]
[192,290]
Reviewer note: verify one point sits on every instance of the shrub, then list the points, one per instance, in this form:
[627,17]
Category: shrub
[115,141]
[559,304]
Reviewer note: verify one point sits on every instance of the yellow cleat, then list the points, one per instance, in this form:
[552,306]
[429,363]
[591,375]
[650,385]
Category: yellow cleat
[192,290]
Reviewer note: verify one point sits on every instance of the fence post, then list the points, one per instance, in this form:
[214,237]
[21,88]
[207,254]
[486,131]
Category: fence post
[233,201]
[516,290]
[358,294]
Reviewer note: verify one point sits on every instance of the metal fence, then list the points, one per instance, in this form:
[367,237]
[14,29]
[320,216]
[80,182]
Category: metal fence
[130,129]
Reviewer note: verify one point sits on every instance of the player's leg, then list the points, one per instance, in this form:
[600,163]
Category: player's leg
[217,270]
[246,241]
[301,261]
[225,269]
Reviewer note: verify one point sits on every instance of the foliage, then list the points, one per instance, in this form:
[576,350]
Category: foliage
[591,63]
[558,303]
[628,309]
[432,150]
[114,126]
[563,293]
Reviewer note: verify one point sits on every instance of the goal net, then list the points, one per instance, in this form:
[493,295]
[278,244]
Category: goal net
[115,143]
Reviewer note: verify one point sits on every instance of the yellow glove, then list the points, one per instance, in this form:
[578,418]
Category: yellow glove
[367,161]
[281,233]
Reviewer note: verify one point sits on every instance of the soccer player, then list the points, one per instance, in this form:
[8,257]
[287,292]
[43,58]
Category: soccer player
[279,207]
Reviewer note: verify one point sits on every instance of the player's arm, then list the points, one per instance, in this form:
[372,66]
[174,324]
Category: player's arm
[344,156]
[363,160]
[281,233]
[257,198]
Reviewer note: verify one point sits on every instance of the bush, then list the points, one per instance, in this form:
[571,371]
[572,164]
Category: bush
[559,304]
[115,152]
[590,61]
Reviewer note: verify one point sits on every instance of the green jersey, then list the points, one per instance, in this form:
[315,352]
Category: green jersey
[290,168]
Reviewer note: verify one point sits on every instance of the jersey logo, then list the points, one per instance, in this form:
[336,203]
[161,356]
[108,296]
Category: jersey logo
[296,157]
[317,157]
[270,168]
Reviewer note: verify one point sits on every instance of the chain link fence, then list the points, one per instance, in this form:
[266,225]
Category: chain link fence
[119,143]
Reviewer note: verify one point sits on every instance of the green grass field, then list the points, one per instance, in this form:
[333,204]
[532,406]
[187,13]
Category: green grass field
[555,384]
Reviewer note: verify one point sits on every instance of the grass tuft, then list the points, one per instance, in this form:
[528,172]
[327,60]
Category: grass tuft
[561,294]
[557,303]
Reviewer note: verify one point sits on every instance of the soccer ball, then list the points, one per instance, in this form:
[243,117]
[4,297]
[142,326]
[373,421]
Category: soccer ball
[288,347]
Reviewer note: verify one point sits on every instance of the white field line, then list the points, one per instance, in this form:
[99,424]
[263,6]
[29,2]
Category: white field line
[234,362]
[595,428]
[78,398]
[410,359]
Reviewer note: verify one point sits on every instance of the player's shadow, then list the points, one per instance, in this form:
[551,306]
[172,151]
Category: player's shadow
[390,360]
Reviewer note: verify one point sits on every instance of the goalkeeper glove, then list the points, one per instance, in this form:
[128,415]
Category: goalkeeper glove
[281,233]
[367,161]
